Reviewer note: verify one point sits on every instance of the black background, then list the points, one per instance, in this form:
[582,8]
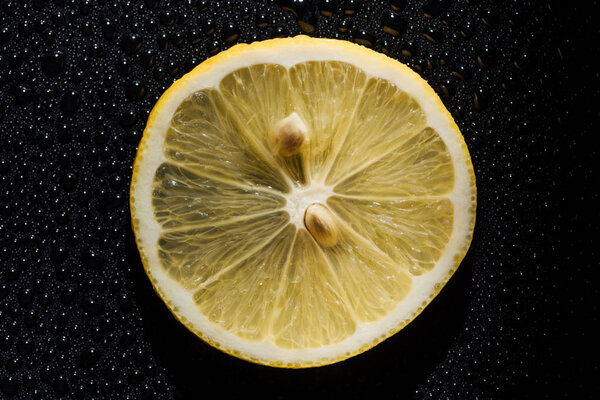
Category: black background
[78,317]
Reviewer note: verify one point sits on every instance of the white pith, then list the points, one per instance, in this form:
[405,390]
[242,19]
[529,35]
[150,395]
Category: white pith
[424,286]
[300,198]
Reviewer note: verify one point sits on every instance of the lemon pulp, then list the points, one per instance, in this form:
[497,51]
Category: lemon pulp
[231,211]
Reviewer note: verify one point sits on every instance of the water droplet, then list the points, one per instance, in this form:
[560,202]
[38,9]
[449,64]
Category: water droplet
[392,23]
[152,26]
[522,61]
[364,38]
[60,385]
[327,8]
[481,98]
[25,297]
[409,48]
[135,377]
[9,386]
[397,5]
[68,181]
[147,58]
[25,347]
[4,166]
[433,35]
[208,26]
[25,28]
[5,34]
[279,31]
[230,32]
[67,297]
[123,67]
[204,5]
[177,38]
[486,57]
[5,341]
[59,19]
[70,102]
[173,67]
[194,36]
[343,26]
[489,17]
[135,90]
[163,42]
[418,64]
[350,7]
[53,64]
[447,87]
[23,94]
[128,118]
[462,72]
[159,73]
[86,7]
[109,30]
[58,255]
[304,11]
[167,18]
[183,19]
[262,21]
[29,381]
[434,8]
[467,29]
[126,339]
[88,358]
[41,25]
[131,43]
[152,4]
[515,16]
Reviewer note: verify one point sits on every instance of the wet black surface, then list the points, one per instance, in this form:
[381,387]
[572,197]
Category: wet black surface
[79,319]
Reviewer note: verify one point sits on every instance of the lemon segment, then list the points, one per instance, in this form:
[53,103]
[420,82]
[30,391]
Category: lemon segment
[419,165]
[413,233]
[384,118]
[191,256]
[183,198]
[243,298]
[204,135]
[325,95]
[258,97]
[373,283]
[312,310]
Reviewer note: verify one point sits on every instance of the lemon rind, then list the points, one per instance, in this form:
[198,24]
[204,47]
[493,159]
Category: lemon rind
[299,49]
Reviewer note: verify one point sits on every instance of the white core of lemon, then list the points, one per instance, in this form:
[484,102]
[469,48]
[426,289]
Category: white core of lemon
[300,198]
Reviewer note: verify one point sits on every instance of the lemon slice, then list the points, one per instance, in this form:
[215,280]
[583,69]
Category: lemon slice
[296,201]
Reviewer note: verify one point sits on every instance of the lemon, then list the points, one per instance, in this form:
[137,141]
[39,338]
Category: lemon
[296,201]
